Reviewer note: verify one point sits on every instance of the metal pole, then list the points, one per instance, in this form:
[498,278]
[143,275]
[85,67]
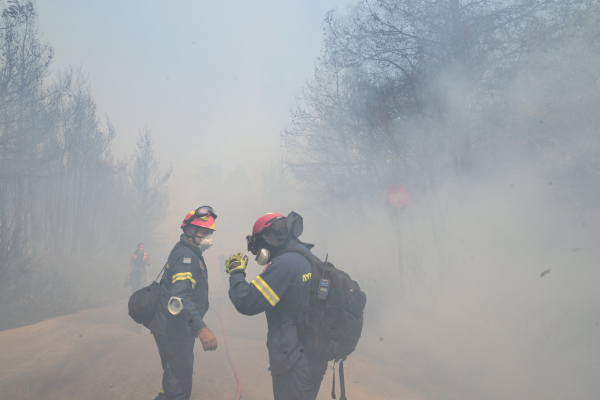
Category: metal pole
[400,257]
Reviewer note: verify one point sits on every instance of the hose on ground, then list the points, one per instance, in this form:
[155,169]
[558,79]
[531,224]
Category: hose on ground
[229,357]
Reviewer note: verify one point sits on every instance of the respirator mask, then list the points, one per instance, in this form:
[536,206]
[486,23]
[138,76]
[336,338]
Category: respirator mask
[262,258]
[205,243]
[262,255]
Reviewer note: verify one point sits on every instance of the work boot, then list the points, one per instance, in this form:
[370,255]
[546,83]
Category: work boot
[161,396]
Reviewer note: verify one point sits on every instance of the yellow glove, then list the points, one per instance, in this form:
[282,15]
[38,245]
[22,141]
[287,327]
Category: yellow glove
[236,263]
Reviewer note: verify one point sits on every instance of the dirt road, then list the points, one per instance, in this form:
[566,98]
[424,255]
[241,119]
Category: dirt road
[102,354]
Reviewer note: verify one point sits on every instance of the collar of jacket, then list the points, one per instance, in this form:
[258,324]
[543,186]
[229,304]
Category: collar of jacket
[188,243]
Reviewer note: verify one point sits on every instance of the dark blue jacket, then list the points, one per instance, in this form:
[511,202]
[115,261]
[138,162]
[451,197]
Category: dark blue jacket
[282,288]
[185,277]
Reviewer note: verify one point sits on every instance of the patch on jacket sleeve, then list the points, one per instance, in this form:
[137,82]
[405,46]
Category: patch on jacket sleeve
[187,260]
[268,265]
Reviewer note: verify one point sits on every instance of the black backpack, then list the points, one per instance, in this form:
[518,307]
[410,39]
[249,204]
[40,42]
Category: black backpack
[333,319]
[143,302]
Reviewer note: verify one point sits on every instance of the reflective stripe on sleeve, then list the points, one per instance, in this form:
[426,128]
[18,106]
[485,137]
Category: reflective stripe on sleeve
[183,276]
[266,290]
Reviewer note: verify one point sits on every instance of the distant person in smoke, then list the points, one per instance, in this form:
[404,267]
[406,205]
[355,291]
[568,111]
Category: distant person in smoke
[136,275]
[281,291]
[178,319]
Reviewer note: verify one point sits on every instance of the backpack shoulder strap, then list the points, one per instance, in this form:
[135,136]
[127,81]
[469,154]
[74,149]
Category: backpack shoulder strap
[306,254]
[161,271]
[164,266]
[311,260]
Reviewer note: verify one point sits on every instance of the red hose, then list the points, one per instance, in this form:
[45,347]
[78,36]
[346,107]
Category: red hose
[229,357]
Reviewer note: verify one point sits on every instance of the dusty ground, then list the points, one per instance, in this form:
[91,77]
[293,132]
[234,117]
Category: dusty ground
[102,354]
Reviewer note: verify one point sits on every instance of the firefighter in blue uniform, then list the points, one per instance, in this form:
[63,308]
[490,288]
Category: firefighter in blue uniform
[281,291]
[183,301]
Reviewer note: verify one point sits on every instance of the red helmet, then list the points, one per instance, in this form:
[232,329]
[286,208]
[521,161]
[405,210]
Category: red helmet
[265,221]
[202,216]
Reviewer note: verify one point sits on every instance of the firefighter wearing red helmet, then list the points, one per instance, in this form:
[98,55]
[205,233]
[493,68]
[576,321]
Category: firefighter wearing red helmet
[281,291]
[262,256]
[183,302]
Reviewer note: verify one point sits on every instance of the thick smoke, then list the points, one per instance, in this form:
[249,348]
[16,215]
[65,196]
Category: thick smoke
[486,111]
[495,134]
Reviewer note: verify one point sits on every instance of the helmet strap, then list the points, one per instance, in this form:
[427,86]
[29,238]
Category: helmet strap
[190,236]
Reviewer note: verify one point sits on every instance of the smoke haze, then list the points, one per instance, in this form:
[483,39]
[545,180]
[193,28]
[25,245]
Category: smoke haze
[500,245]
[214,82]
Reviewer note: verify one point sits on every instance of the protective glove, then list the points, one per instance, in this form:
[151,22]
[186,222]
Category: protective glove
[208,339]
[236,263]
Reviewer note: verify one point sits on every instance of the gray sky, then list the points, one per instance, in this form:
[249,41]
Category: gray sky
[210,79]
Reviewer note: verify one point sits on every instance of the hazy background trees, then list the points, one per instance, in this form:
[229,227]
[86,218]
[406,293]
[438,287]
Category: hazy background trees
[413,91]
[487,111]
[61,189]
[149,189]
[442,96]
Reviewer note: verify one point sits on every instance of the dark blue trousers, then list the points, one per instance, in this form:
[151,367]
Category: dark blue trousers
[177,358]
[301,382]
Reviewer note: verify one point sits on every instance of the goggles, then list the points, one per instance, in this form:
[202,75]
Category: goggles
[250,240]
[199,213]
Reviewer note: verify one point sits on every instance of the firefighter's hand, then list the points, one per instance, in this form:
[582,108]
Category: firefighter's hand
[208,339]
[237,263]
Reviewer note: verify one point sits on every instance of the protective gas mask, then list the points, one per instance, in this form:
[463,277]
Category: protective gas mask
[262,258]
[205,243]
